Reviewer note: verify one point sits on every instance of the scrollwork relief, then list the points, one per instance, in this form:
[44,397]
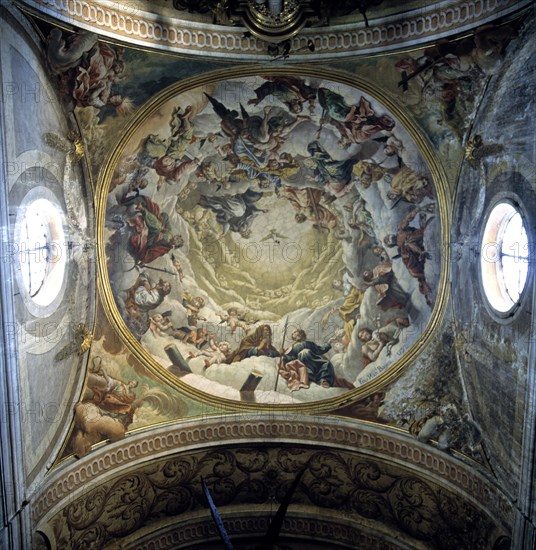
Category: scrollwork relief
[257,466]
[359,488]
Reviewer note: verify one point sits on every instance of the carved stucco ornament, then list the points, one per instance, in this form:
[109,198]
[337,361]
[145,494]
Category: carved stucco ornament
[361,488]
[476,150]
[80,343]
[71,145]
[274,20]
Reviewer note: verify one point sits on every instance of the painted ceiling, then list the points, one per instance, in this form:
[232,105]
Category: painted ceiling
[270,237]
[269,240]
[281,203]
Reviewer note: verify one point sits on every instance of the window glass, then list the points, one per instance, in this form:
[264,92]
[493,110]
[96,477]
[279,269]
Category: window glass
[504,257]
[41,254]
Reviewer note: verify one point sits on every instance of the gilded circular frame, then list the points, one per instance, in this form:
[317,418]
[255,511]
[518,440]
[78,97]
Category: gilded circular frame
[436,251]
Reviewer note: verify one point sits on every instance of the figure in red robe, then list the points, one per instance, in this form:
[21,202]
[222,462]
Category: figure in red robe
[152,233]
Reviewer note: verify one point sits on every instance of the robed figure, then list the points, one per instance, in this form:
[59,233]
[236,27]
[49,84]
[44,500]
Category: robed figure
[319,368]
[256,344]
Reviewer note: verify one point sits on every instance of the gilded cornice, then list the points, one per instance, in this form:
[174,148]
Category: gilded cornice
[125,23]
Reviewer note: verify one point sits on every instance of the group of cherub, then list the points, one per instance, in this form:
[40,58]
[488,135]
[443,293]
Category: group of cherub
[208,347]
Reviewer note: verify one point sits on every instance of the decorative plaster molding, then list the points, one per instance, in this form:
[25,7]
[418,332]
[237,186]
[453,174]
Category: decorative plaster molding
[328,528]
[110,460]
[349,486]
[121,22]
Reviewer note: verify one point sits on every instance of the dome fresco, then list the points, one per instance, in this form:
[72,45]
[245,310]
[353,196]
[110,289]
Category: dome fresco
[272,238]
[275,276]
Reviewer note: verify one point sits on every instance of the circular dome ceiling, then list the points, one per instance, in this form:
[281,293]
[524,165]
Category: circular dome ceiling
[243,216]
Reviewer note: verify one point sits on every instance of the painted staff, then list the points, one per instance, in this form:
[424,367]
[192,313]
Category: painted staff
[280,362]
[162,270]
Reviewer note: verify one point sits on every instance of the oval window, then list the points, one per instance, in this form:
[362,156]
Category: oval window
[504,257]
[42,262]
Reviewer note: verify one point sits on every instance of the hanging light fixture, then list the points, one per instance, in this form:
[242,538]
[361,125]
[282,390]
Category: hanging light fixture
[274,21]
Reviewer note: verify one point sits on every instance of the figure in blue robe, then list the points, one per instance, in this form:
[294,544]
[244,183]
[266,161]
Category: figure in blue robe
[326,169]
[319,368]
[235,212]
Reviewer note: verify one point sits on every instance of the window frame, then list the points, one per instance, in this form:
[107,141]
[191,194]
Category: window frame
[491,268]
